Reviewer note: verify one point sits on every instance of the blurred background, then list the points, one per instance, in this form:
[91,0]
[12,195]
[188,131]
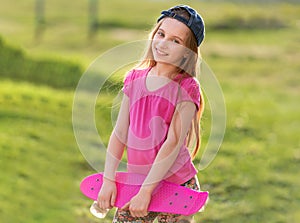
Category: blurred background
[251,46]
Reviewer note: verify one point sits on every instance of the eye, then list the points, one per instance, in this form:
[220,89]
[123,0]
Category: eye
[160,33]
[176,41]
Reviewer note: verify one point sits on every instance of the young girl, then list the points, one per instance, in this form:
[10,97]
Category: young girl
[159,115]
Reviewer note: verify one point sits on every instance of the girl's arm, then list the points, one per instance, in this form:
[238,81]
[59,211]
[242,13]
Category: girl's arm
[165,158]
[117,141]
[116,145]
[179,127]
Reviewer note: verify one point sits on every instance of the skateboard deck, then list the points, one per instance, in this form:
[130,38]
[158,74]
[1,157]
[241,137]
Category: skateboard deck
[167,197]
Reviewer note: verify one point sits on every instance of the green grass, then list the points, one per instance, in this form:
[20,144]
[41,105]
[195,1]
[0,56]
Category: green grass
[253,179]
[255,176]
[38,154]
[41,165]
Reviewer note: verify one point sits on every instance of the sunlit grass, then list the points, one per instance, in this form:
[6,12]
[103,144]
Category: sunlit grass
[254,177]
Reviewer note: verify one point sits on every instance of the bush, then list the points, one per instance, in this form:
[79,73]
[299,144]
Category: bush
[254,22]
[16,65]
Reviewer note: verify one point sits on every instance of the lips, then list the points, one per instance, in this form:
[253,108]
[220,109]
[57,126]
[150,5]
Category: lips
[161,52]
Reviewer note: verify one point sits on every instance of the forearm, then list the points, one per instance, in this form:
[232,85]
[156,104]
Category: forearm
[114,155]
[117,141]
[169,151]
[162,164]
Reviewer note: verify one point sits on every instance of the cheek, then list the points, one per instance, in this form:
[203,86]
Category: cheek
[154,42]
[156,38]
[177,51]
[153,45]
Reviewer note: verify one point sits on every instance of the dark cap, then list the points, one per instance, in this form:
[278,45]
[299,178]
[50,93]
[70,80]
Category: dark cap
[195,23]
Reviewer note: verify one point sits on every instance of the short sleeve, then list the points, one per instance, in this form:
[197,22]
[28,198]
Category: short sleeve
[127,82]
[190,91]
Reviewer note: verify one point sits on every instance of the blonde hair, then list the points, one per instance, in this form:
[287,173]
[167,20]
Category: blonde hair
[188,68]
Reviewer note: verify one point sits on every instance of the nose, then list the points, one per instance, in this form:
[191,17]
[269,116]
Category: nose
[162,44]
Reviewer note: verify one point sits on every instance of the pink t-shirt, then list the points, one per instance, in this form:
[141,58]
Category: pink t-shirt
[150,117]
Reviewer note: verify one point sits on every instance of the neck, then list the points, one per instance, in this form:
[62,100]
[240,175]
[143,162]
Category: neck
[165,70]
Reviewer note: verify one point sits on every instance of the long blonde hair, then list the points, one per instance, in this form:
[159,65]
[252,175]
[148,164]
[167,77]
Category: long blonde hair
[188,69]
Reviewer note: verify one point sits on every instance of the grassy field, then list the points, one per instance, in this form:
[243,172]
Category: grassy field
[252,49]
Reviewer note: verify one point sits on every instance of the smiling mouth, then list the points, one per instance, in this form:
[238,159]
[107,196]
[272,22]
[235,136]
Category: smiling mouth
[160,52]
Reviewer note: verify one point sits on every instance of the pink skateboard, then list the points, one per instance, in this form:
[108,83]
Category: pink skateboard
[167,197]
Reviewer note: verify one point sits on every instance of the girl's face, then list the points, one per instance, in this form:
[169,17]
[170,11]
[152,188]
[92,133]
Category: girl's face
[169,42]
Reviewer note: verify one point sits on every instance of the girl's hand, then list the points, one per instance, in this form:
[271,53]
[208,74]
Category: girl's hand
[107,194]
[138,205]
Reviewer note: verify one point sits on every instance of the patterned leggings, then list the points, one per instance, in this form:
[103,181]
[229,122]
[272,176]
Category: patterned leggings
[125,217]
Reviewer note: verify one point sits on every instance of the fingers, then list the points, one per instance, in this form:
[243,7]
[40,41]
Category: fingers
[104,203]
[113,199]
[138,212]
[135,211]
[107,195]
